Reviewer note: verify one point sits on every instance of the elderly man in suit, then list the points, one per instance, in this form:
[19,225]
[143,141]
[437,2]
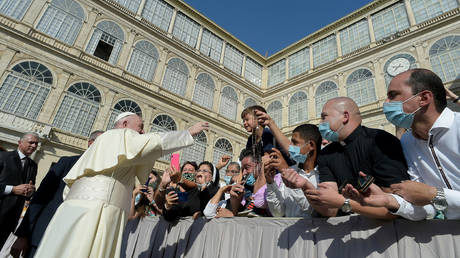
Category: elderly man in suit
[17,179]
[44,204]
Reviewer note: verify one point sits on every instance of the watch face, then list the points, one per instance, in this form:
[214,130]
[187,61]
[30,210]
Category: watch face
[398,66]
[439,203]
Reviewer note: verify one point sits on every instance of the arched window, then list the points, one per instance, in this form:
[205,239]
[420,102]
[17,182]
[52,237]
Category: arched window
[275,110]
[79,108]
[25,89]
[176,76]
[445,58]
[162,124]
[197,151]
[222,147]
[249,102]
[132,5]
[204,91]
[144,60]
[326,91]
[106,41]
[158,12]
[62,20]
[14,8]
[360,87]
[125,105]
[298,108]
[228,103]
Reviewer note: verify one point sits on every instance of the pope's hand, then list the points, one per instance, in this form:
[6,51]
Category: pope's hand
[198,128]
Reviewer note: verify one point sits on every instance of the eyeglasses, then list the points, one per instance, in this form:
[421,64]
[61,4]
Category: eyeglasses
[202,170]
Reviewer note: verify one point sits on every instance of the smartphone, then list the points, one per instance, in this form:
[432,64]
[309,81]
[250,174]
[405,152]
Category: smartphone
[364,182]
[183,196]
[175,161]
[146,185]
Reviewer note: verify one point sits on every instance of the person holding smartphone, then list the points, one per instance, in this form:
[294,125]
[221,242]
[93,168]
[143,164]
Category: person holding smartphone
[180,203]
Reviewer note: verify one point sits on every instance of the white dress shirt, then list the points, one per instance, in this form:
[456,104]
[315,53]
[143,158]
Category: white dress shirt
[287,202]
[440,169]
[9,188]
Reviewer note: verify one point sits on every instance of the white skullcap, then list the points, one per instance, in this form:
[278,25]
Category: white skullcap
[123,115]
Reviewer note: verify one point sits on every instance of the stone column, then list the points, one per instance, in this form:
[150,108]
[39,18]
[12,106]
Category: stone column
[339,47]
[86,29]
[311,102]
[285,111]
[126,49]
[217,94]
[198,42]
[6,56]
[104,110]
[141,8]
[222,55]
[286,69]
[264,82]
[191,82]
[380,86]
[342,87]
[240,104]
[53,101]
[33,13]
[410,13]
[161,66]
[212,136]
[422,54]
[173,20]
[371,30]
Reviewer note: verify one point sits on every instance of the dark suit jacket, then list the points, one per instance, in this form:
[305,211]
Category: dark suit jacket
[45,201]
[12,173]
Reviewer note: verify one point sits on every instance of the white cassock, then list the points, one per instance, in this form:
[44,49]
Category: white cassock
[90,222]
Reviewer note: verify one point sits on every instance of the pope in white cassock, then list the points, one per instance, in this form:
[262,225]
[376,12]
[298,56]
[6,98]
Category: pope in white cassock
[90,221]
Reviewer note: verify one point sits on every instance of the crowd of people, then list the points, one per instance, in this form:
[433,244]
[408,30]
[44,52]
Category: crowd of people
[337,168]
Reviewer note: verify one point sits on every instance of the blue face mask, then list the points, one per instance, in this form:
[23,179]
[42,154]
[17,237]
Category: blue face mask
[250,180]
[327,133]
[394,113]
[294,153]
[228,179]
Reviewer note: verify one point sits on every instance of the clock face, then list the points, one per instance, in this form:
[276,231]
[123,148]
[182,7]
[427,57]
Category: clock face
[398,66]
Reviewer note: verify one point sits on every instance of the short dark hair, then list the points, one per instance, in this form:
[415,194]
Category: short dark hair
[423,79]
[94,135]
[251,110]
[209,164]
[193,163]
[245,153]
[309,132]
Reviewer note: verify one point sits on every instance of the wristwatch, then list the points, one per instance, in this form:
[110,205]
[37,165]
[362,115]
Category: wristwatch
[456,99]
[439,202]
[346,207]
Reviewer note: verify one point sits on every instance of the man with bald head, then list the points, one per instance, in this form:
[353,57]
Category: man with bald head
[17,180]
[90,221]
[353,148]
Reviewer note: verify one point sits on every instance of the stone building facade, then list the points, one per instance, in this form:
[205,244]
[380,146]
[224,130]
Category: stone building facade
[68,67]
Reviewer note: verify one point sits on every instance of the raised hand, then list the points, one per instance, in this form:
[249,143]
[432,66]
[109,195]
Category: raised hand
[263,118]
[292,179]
[198,128]
[171,199]
[223,161]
